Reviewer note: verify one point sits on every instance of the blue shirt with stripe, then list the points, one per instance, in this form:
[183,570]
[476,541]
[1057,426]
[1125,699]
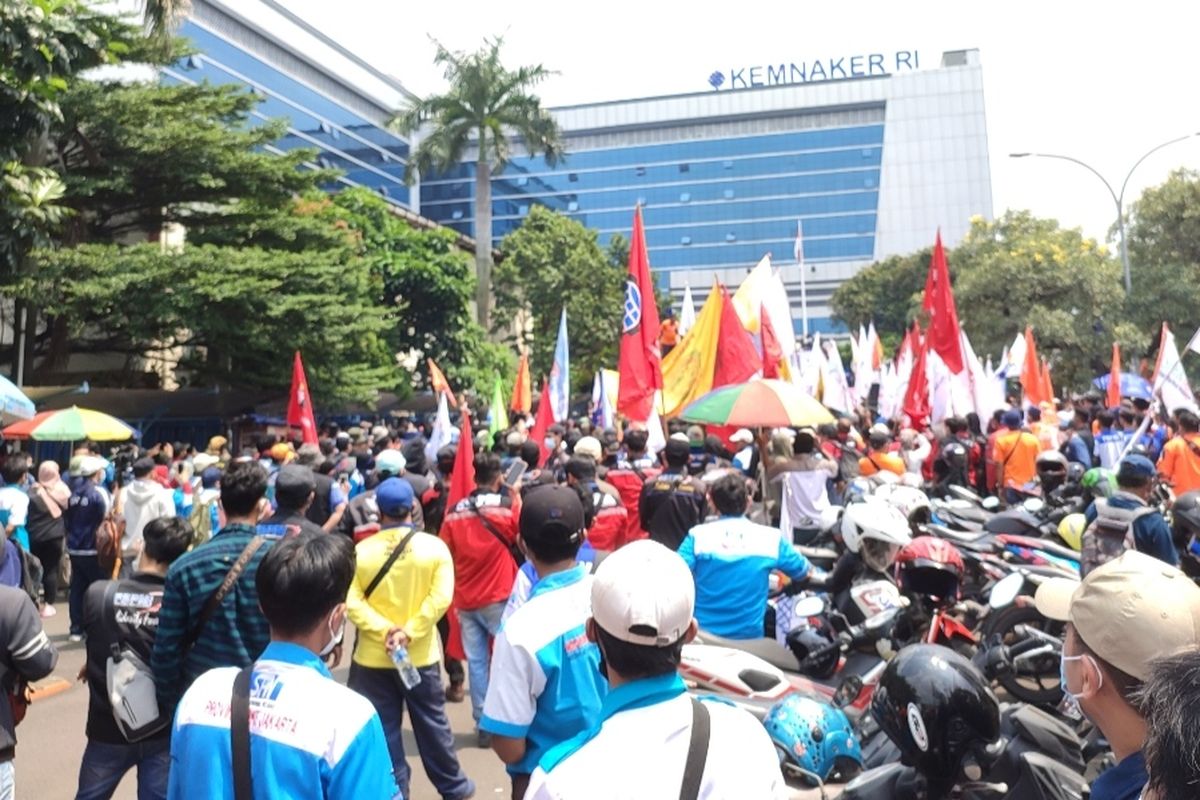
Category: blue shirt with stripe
[545,684]
[731,560]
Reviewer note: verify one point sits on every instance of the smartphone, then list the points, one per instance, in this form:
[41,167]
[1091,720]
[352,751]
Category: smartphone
[515,472]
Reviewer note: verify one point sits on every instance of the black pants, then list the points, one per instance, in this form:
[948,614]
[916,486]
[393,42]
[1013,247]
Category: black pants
[50,554]
[85,570]
[454,667]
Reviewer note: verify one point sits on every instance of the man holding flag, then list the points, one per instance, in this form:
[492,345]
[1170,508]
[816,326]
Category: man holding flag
[640,363]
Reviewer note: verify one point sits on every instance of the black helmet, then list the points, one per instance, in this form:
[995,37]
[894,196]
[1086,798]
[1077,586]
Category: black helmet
[1075,472]
[1051,469]
[1185,515]
[807,640]
[937,708]
[955,455]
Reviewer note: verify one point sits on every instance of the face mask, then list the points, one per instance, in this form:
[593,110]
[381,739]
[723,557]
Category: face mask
[1070,703]
[335,637]
[550,444]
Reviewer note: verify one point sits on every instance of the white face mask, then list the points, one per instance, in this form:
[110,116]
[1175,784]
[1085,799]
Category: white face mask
[335,637]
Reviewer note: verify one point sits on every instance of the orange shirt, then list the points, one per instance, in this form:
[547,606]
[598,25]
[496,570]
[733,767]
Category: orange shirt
[1180,465]
[1016,454]
[873,463]
[668,333]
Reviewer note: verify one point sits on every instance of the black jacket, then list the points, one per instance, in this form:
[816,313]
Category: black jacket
[671,505]
[25,651]
[136,604]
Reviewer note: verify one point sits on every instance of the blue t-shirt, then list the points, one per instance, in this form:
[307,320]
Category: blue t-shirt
[1125,781]
[731,560]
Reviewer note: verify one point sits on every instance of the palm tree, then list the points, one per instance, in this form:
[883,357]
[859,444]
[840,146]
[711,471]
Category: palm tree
[485,109]
[163,16]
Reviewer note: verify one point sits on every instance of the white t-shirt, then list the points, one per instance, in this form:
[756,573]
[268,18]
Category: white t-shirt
[16,503]
[639,754]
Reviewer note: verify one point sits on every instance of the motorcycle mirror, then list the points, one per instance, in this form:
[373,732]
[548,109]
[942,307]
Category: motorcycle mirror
[810,606]
[1006,591]
[1033,505]
[847,691]
[991,503]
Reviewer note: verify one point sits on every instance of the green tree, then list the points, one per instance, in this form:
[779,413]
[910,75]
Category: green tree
[552,261]
[1164,251]
[887,292]
[1019,270]
[486,107]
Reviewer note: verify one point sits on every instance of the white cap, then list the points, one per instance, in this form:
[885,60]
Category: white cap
[742,435]
[203,461]
[90,465]
[589,446]
[390,461]
[644,594]
[881,429]
[680,437]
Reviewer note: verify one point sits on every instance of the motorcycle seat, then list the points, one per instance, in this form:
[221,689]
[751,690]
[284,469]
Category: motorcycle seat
[817,554]
[965,537]
[768,650]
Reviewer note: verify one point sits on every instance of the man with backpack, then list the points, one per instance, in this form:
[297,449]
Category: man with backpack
[86,511]
[121,621]
[673,503]
[1126,521]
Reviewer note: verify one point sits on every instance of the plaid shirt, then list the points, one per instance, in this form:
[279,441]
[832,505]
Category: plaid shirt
[234,636]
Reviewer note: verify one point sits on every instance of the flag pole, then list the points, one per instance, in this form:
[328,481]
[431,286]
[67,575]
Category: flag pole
[803,279]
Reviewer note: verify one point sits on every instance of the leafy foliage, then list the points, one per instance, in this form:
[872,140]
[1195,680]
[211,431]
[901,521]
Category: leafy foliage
[888,292]
[552,261]
[1164,254]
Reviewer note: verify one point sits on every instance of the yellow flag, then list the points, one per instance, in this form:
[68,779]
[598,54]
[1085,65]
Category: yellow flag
[749,298]
[688,369]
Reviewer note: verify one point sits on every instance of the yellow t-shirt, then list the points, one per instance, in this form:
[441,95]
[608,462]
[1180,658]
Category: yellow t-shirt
[414,594]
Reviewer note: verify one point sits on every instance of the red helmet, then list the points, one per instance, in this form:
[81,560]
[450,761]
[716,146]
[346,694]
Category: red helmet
[930,566]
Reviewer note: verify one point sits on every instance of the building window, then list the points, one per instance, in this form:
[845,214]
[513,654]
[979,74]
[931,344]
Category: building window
[194,62]
[573,205]
[573,177]
[731,237]
[868,182]
[456,214]
[728,194]
[685,197]
[727,164]
[523,210]
[685,240]
[522,181]
[866,152]
[685,168]
[641,201]
[383,190]
[640,171]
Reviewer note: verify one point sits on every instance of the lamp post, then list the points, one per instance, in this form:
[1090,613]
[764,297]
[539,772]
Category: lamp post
[1117,197]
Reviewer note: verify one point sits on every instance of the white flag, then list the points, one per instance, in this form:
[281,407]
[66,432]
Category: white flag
[560,373]
[837,391]
[1170,381]
[442,433]
[687,311]
[1194,342]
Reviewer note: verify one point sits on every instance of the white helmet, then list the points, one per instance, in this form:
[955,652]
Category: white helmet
[879,523]
[910,502]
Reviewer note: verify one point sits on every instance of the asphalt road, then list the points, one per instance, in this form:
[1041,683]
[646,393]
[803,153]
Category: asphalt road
[51,739]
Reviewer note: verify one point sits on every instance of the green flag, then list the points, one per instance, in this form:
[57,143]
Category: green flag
[499,422]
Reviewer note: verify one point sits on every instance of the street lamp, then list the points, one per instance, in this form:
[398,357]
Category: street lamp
[1117,197]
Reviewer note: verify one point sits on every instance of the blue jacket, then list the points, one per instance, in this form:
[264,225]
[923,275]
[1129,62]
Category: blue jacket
[1151,533]
[85,511]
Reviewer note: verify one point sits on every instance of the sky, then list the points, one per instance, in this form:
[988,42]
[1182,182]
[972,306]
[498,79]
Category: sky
[1096,81]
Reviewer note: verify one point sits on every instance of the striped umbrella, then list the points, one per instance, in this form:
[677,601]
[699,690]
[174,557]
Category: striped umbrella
[761,403]
[72,424]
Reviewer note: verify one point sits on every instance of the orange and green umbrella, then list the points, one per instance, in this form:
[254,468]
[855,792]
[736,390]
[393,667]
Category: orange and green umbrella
[761,403]
[72,424]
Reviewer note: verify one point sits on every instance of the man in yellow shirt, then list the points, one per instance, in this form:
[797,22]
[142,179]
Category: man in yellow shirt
[1180,460]
[1015,456]
[878,459]
[402,586]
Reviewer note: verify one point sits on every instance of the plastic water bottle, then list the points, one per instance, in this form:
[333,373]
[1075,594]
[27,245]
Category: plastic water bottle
[408,673]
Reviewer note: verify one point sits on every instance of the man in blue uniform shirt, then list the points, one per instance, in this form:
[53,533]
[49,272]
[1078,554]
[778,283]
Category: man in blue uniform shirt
[309,735]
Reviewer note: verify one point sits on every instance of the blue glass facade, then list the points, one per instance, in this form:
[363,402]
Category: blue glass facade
[368,154]
[714,202]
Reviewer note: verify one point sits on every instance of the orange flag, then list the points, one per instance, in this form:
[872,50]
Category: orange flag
[1113,398]
[438,382]
[1047,384]
[522,396]
[1031,372]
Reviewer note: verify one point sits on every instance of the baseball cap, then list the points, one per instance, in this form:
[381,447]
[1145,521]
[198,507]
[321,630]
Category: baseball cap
[644,594]
[589,446]
[142,467]
[879,429]
[394,497]
[1011,418]
[379,433]
[742,435]
[282,452]
[356,435]
[210,477]
[678,436]
[390,462]
[294,480]
[1136,468]
[90,465]
[550,513]
[1128,611]
[677,448]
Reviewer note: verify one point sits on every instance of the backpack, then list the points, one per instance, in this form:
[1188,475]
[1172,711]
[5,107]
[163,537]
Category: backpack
[201,519]
[1109,535]
[129,681]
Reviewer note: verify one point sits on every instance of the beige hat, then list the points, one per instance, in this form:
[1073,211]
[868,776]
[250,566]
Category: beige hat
[644,594]
[589,446]
[203,461]
[1129,611]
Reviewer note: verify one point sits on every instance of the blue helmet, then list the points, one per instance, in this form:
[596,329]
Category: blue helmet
[813,739]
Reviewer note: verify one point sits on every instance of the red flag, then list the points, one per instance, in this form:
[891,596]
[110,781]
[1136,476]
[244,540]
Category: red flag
[737,357]
[640,362]
[943,336]
[522,396]
[1031,372]
[1113,397]
[462,478]
[772,352]
[438,383]
[300,413]
[916,397]
[542,422]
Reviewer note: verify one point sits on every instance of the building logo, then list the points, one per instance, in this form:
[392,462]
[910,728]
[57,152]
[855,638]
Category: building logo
[822,69]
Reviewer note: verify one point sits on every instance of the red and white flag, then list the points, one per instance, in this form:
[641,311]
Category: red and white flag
[640,362]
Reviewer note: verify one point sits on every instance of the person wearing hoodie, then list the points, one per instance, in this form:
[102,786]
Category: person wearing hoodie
[47,527]
[144,500]
[86,510]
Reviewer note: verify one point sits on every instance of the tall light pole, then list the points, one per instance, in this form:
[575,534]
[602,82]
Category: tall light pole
[1117,197]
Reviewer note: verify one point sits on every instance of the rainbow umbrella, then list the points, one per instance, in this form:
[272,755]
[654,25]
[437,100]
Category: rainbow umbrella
[762,403]
[72,424]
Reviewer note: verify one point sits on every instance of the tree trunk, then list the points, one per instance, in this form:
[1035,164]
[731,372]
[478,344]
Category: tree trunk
[483,239]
